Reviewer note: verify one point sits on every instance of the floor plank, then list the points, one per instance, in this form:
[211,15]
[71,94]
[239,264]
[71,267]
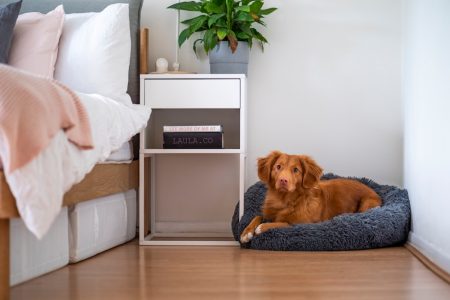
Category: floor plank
[133,272]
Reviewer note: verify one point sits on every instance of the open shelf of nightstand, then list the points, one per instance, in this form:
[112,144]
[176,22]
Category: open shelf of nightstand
[192,191]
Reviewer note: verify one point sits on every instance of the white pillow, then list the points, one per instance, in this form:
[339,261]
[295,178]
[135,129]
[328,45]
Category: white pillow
[94,52]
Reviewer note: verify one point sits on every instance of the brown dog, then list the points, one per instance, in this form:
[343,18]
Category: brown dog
[295,194]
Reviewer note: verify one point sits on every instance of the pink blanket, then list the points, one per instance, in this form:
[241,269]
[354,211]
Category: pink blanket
[32,111]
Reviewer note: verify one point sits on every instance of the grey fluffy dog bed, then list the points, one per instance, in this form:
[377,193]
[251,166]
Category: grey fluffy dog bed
[384,226]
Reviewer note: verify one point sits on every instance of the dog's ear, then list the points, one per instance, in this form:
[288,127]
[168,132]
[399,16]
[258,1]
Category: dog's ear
[265,165]
[311,172]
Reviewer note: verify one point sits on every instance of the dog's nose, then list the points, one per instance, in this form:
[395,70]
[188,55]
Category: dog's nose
[283,181]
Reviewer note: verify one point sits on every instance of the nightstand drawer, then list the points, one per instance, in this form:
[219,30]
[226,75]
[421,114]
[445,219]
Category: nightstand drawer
[192,93]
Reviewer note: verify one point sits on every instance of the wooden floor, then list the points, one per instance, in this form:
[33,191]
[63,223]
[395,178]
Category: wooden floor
[133,272]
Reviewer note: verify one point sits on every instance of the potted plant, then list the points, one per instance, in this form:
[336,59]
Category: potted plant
[227,28]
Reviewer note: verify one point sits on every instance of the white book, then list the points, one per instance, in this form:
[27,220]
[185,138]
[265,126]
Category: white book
[194,128]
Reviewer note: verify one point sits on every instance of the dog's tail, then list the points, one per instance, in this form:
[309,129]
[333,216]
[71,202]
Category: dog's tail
[369,202]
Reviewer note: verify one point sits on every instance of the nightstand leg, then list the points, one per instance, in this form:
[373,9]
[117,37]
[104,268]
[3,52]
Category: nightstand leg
[152,194]
[144,199]
[146,195]
[241,184]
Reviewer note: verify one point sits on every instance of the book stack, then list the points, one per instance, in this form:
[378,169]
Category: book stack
[193,137]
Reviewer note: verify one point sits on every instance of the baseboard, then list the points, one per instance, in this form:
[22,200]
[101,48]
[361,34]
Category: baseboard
[414,246]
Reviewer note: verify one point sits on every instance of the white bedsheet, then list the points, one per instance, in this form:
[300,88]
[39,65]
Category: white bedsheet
[39,186]
[122,155]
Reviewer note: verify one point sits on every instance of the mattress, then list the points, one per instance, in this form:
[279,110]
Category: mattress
[100,224]
[31,257]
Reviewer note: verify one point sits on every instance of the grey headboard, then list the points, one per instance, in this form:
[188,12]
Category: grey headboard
[79,6]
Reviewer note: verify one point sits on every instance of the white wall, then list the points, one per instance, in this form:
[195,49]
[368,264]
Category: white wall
[427,125]
[328,85]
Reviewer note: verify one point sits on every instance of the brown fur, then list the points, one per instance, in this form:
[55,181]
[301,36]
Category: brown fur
[296,194]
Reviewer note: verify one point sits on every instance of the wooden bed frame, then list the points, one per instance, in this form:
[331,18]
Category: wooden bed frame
[103,180]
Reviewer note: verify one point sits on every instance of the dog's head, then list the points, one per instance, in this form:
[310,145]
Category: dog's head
[287,173]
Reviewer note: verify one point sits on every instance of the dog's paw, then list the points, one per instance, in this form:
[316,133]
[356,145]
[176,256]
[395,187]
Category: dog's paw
[259,229]
[246,237]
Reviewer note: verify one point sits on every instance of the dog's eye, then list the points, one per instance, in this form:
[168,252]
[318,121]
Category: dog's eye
[278,167]
[296,170]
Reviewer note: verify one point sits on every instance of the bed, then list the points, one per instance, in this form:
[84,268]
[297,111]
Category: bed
[104,179]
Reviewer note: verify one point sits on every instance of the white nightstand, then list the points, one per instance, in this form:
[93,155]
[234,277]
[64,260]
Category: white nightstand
[193,192]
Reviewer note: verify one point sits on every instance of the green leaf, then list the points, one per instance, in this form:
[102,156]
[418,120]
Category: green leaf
[245,8]
[255,7]
[222,33]
[208,40]
[197,25]
[189,6]
[242,36]
[221,23]
[245,2]
[250,42]
[184,35]
[245,27]
[267,11]
[213,43]
[214,18]
[194,46]
[218,2]
[243,17]
[193,20]
[212,8]
[258,35]
[261,22]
